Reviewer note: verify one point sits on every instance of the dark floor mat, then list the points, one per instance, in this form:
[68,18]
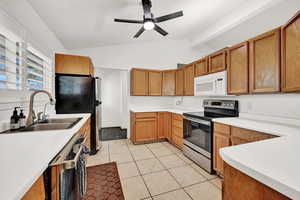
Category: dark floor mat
[113,133]
[103,183]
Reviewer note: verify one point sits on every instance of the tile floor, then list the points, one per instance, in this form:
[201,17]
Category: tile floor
[157,171]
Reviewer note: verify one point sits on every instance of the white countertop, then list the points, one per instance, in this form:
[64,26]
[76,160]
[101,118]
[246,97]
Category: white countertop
[25,156]
[273,162]
[170,109]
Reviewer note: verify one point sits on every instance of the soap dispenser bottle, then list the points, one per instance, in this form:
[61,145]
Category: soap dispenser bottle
[22,120]
[14,120]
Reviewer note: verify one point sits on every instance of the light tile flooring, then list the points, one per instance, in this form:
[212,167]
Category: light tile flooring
[157,171]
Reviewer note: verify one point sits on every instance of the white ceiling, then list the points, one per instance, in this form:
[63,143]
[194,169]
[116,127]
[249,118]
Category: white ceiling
[89,23]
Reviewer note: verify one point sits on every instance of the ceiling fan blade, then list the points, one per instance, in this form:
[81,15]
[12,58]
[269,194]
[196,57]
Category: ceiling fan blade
[160,30]
[147,8]
[130,21]
[168,17]
[139,32]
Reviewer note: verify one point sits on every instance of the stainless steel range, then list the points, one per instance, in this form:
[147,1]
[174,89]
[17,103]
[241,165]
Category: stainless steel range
[198,130]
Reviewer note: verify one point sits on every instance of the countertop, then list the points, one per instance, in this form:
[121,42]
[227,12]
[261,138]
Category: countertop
[170,109]
[273,162]
[25,156]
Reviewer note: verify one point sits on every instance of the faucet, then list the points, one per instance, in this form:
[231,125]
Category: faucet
[31,114]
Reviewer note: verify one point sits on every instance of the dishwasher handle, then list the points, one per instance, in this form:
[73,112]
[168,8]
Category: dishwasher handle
[70,164]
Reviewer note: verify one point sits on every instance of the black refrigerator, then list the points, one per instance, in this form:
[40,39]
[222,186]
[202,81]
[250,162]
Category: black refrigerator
[80,94]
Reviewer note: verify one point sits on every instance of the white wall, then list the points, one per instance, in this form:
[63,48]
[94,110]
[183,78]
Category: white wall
[114,97]
[152,55]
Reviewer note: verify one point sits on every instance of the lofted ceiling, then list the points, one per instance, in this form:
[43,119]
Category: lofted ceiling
[89,23]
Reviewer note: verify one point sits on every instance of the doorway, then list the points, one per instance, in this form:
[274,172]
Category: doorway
[114,96]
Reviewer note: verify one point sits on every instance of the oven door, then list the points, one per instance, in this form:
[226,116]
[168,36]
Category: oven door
[197,135]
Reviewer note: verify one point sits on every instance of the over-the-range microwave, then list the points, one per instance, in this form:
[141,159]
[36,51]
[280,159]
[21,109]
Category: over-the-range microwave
[211,85]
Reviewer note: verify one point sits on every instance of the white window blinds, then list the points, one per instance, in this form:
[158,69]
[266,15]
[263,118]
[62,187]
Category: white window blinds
[11,61]
[22,67]
[39,71]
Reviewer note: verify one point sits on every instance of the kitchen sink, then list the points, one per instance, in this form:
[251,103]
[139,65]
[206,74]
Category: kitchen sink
[59,120]
[48,127]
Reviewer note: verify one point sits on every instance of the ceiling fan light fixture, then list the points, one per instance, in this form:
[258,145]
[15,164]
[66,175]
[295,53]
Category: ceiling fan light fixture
[149,25]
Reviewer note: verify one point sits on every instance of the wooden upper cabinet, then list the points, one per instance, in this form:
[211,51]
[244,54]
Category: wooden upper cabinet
[265,63]
[238,69]
[290,50]
[189,74]
[155,83]
[139,82]
[201,67]
[70,64]
[179,82]
[169,82]
[92,71]
[217,61]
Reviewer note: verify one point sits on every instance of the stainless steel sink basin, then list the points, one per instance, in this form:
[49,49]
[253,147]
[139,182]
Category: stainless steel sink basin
[58,121]
[48,127]
[52,124]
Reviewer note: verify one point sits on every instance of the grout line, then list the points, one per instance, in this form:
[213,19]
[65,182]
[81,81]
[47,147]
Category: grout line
[166,169]
[140,173]
[180,187]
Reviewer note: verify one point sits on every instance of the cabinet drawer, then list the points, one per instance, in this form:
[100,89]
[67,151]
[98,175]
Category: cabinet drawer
[177,123]
[222,128]
[177,116]
[178,141]
[177,131]
[249,135]
[146,115]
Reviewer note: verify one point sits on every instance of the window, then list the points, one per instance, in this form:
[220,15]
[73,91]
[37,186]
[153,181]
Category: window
[38,71]
[10,63]
[22,67]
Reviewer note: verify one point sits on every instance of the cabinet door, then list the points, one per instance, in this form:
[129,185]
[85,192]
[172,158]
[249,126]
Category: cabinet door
[201,67]
[145,129]
[265,63]
[179,82]
[161,134]
[217,61]
[169,79]
[70,64]
[139,82]
[37,191]
[168,125]
[238,69]
[290,37]
[155,83]
[91,68]
[189,74]
[220,141]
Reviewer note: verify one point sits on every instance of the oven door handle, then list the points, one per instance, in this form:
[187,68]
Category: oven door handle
[207,123]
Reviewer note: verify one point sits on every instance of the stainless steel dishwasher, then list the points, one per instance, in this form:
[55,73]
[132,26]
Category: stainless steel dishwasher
[62,178]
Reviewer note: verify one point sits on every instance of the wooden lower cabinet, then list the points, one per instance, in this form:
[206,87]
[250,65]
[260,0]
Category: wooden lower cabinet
[237,186]
[167,125]
[221,139]
[177,130]
[37,191]
[155,126]
[225,135]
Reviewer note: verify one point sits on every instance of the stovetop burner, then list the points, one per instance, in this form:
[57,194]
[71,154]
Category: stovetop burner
[216,109]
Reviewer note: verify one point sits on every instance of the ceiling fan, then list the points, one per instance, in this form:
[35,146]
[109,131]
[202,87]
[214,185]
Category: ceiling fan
[149,21]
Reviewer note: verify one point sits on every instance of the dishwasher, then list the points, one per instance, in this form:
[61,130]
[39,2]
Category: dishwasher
[62,178]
